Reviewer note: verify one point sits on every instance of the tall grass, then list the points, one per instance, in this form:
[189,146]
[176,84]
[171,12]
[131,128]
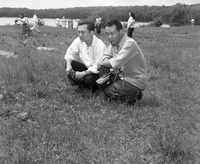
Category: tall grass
[65,125]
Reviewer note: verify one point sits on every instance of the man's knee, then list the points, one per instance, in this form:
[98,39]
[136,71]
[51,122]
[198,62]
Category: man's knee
[113,93]
[78,66]
[110,91]
[74,63]
[90,79]
[90,82]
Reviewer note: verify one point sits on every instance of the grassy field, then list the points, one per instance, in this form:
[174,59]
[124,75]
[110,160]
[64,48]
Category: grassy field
[43,120]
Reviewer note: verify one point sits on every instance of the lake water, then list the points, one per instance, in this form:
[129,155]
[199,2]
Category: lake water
[10,21]
[48,22]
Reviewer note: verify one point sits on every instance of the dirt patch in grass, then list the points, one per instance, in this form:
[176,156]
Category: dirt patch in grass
[7,54]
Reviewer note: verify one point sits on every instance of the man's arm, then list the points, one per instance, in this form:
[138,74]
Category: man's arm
[70,55]
[80,75]
[68,66]
[106,57]
[129,50]
[105,63]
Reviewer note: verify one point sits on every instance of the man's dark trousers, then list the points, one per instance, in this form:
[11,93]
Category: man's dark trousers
[89,81]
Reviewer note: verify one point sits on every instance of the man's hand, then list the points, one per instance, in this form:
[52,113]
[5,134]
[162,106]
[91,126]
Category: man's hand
[80,75]
[68,68]
[113,71]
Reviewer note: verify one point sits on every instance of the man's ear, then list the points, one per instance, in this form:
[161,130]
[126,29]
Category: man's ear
[92,32]
[121,31]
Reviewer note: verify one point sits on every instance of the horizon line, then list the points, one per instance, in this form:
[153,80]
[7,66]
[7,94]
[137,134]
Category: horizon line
[98,6]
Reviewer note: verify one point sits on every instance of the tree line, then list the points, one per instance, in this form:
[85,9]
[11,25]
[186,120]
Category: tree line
[178,15]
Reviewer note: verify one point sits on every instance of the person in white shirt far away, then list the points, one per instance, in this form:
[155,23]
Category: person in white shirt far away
[35,23]
[131,24]
[192,22]
[63,22]
[57,22]
[83,56]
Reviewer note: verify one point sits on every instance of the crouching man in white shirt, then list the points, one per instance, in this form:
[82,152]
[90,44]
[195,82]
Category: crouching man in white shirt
[83,56]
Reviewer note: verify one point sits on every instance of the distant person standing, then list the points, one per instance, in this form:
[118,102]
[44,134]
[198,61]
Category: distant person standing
[41,22]
[98,24]
[131,24]
[35,23]
[192,22]
[70,23]
[63,22]
[23,20]
[57,22]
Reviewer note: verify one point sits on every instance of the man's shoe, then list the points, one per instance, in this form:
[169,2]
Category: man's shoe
[139,96]
[72,75]
[72,83]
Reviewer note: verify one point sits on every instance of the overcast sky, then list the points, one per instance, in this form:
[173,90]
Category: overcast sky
[46,4]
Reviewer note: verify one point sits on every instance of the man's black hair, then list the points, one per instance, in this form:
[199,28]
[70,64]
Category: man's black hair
[90,24]
[115,22]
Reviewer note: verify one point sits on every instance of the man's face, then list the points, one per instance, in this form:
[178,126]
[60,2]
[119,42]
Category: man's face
[84,33]
[113,35]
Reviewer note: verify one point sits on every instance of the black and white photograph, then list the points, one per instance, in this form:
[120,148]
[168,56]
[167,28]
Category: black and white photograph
[99,82]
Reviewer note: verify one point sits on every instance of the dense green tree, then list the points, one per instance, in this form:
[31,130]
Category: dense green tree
[194,13]
[158,21]
[179,14]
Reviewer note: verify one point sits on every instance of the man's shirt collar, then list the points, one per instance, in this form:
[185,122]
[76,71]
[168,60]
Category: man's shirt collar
[122,41]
